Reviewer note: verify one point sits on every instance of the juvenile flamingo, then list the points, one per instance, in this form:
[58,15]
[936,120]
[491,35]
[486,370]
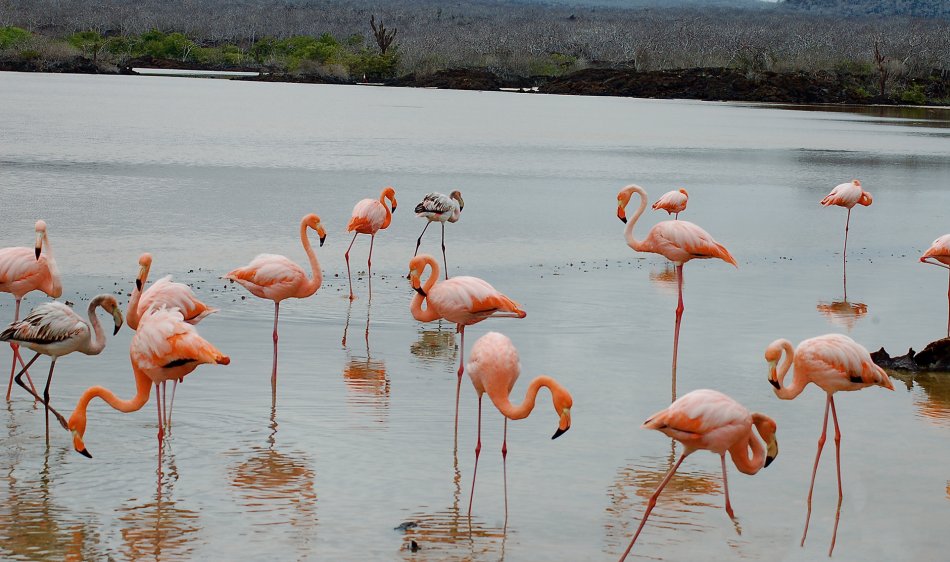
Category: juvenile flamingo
[369,216]
[163,292]
[833,362]
[494,367]
[436,207]
[163,348]
[54,329]
[939,252]
[274,277]
[847,195]
[461,299]
[707,419]
[673,202]
[676,240]
[27,269]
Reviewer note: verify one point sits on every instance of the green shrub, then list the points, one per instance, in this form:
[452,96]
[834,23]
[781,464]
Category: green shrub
[12,37]
[913,95]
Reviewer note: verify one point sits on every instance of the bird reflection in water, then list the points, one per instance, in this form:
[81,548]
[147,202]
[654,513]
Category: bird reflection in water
[930,392]
[843,313]
[365,377]
[665,278]
[436,346]
[450,534]
[685,495]
[33,527]
[277,488]
[160,529]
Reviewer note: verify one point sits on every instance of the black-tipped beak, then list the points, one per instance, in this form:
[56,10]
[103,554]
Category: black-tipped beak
[116,331]
[38,250]
[560,432]
[768,460]
[421,291]
[622,218]
[775,384]
[138,284]
[322,240]
[85,453]
[394,206]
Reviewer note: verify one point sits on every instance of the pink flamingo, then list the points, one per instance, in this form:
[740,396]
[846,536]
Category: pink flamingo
[833,362]
[673,202]
[494,367]
[461,299]
[437,207]
[706,419]
[939,252]
[847,195]
[274,277]
[164,348]
[369,216]
[676,240]
[27,269]
[54,329]
[164,292]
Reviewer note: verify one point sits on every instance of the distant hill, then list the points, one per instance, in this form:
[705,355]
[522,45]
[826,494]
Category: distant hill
[915,8]
[640,4]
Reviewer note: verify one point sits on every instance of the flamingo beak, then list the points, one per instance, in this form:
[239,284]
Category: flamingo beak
[621,214]
[39,244]
[117,316]
[771,451]
[564,425]
[85,453]
[322,240]
[773,377]
[421,291]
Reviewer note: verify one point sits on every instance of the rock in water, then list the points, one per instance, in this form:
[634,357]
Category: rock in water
[934,357]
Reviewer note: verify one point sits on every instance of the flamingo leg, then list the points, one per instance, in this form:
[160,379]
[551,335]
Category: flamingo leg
[171,406]
[652,503]
[834,418]
[811,487]
[273,374]
[161,424]
[16,356]
[419,241]
[49,380]
[369,264]
[478,449]
[504,468]
[725,485]
[347,256]
[444,262]
[844,259]
[679,318]
[458,387]
[948,305]
[19,380]
[164,398]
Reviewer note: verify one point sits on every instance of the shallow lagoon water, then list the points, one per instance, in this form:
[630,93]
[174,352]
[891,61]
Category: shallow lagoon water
[358,438]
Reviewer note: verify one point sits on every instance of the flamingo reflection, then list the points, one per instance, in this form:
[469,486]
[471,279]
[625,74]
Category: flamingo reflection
[843,313]
[436,346]
[665,278]
[930,393]
[365,377]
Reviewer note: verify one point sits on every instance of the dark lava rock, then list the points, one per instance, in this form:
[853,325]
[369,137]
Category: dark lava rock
[76,65]
[148,61]
[295,78]
[452,79]
[934,357]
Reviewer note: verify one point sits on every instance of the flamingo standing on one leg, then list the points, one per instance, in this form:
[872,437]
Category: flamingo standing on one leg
[939,252]
[494,367]
[673,202]
[676,240]
[833,362]
[847,195]
[706,419]
[54,329]
[274,277]
[461,299]
[369,216]
[163,292]
[164,348]
[436,207]
[27,269]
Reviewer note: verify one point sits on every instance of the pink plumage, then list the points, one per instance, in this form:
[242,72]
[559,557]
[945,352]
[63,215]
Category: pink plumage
[939,254]
[847,195]
[673,202]
[369,217]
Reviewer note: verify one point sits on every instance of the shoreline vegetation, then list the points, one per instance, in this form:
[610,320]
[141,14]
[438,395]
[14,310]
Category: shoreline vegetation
[796,52]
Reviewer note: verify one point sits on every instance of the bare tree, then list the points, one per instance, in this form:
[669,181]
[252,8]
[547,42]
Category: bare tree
[883,68]
[384,37]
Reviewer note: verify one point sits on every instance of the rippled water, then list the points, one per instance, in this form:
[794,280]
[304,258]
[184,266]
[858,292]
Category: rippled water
[353,456]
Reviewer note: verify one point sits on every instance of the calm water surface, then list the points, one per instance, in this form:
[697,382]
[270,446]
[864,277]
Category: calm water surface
[358,440]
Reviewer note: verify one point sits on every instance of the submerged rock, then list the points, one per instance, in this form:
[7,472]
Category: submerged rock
[934,357]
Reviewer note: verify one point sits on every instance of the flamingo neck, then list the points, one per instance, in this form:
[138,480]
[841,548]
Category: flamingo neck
[389,213]
[628,231]
[798,382]
[316,279]
[143,386]
[427,314]
[132,312]
[99,342]
[740,451]
[512,412]
[54,285]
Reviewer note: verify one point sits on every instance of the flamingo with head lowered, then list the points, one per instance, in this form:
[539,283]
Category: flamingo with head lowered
[676,240]
[275,277]
[939,254]
[437,207]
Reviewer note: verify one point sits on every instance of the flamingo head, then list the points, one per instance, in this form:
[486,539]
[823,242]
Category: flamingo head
[562,406]
[772,354]
[111,305]
[389,193]
[622,199]
[40,236]
[77,426]
[457,195]
[683,191]
[145,262]
[865,199]
[313,221]
[767,428]
[416,266]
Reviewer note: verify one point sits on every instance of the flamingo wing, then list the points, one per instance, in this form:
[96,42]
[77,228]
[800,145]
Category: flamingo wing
[435,205]
[175,295]
[685,237]
[837,362]
[939,250]
[19,264]
[703,419]
[48,323]
[164,342]
[467,300]
[671,202]
[368,216]
[844,195]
